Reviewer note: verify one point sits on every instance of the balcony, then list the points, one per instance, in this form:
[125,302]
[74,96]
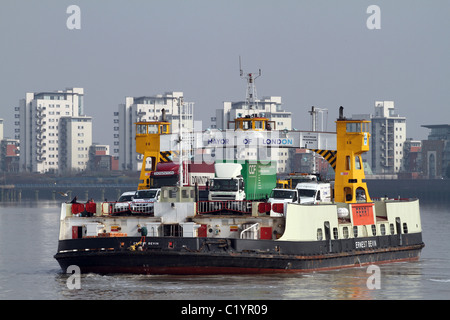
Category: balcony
[40,115]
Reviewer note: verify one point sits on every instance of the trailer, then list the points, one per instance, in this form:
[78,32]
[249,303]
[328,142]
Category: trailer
[243,180]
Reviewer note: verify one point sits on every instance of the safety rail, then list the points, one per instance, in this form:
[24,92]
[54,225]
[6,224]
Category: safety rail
[127,208]
[113,208]
[142,208]
[250,235]
[219,206]
[393,199]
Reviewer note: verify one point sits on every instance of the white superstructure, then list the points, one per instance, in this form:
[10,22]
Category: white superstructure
[268,107]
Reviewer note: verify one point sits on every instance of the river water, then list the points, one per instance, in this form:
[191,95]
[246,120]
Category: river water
[29,236]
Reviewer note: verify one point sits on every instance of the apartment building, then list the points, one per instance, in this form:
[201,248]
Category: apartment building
[147,108]
[75,139]
[436,152]
[43,141]
[388,138]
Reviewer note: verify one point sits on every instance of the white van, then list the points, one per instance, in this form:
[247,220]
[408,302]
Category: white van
[314,192]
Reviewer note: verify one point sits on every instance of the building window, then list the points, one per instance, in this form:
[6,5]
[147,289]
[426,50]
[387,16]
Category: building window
[391,227]
[405,227]
[355,231]
[335,233]
[374,230]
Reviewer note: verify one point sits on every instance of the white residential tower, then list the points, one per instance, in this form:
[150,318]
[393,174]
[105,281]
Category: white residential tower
[43,140]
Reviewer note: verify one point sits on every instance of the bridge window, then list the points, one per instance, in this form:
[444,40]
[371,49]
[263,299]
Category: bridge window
[365,126]
[354,127]
[141,129]
[153,128]
[246,125]
[164,128]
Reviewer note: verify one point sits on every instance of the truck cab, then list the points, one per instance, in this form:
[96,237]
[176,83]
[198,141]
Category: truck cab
[283,197]
[228,183]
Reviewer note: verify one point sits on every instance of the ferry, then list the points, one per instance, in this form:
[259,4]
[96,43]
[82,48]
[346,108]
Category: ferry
[182,235]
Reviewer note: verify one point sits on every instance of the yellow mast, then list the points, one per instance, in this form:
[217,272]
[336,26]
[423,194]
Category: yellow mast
[148,143]
[352,141]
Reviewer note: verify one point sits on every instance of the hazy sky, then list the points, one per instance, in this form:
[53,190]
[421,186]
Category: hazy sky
[317,53]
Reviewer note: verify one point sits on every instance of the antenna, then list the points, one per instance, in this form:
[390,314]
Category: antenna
[241,73]
[315,112]
[251,98]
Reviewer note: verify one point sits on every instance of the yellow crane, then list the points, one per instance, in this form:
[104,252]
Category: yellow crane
[352,140]
[148,144]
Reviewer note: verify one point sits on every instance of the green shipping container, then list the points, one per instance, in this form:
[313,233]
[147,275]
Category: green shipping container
[259,178]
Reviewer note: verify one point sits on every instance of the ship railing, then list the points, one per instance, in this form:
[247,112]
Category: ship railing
[226,206]
[112,208]
[109,208]
[392,199]
[250,232]
[83,209]
[127,208]
[142,208]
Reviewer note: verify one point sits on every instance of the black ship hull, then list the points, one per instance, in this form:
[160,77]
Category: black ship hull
[174,255]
